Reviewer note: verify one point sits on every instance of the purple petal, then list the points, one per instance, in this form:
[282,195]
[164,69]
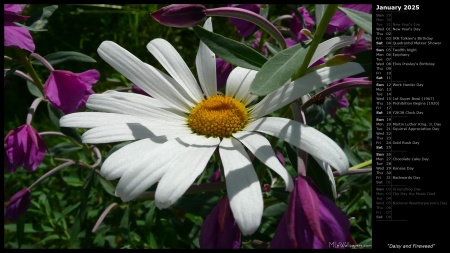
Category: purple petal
[69,91]
[308,195]
[280,157]
[138,90]
[23,147]
[18,36]
[280,238]
[11,13]
[180,15]
[219,230]
[245,28]
[18,204]
[310,216]
[296,26]
[340,22]
[223,70]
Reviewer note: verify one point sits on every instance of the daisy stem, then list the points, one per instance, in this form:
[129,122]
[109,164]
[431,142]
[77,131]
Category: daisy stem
[320,31]
[29,67]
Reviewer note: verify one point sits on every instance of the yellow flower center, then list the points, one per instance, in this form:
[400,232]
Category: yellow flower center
[218,116]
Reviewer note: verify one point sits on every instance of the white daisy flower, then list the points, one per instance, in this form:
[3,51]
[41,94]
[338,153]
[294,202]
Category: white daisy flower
[176,131]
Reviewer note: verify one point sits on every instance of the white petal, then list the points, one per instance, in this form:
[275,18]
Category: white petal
[260,147]
[303,137]
[138,179]
[97,119]
[206,66]
[305,84]
[172,62]
[183,170]
[238,84]
[326,167]
[132,104]
[329,46]
[130,157]
[132,131]
[243,187]
[143,75]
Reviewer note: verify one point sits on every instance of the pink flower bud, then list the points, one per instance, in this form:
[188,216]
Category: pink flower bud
[180,15]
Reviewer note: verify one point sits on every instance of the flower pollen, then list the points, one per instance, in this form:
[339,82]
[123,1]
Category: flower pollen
[218,116]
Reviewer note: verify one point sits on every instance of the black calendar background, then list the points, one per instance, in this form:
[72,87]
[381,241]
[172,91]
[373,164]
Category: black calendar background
[421,218]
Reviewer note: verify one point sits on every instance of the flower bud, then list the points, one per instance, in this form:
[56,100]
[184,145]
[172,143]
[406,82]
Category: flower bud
[18,204]
[180,15]
[23,148]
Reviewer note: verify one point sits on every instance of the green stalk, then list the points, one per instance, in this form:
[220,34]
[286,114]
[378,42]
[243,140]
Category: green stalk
[320,31]
[29,67]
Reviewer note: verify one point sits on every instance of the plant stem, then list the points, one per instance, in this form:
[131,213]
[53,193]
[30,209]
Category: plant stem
[320,31]
[29,67]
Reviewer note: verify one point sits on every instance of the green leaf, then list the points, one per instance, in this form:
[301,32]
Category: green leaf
[34,90]
[275,209]
[231,51]
[125,222]
[63,56]
[368,199]
[67,211]
[277,70]
[38,20]
[73,181]
[362,19]
[109,188]
[63,148]
[320,9]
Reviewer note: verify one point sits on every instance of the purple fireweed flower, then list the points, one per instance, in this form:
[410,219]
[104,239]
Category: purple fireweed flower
[223,70]
[296,26]
[341,100]
[180,15]
[18,204]
[220,230]
[340,22]
[311,221]
[23,147]
[245,28]
[69,91]
[15,35]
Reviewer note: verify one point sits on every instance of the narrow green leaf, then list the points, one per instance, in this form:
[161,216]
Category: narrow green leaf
[63,148]
[231,51]
[67,211]
[38,20]
[49,238]
[107,186]
[73,181]
[277,70]
[320,9]
[275,210]
[34,90]
[63,56]
[125,222]
[362,19]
